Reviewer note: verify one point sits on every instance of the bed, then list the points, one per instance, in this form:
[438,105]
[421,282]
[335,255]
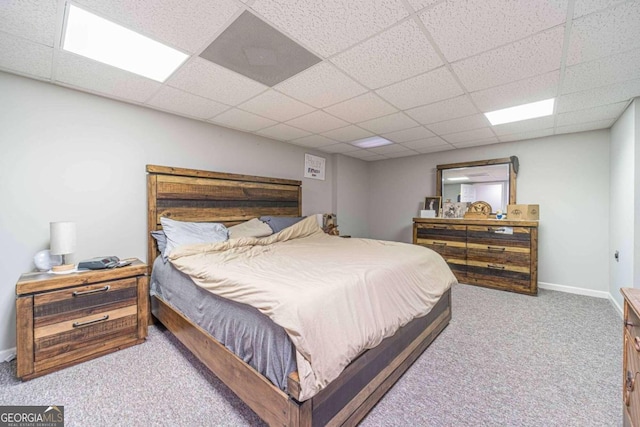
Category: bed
[203,196]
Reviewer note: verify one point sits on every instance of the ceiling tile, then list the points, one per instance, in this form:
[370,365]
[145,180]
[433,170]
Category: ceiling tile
[421,4]
[603,112]
[339,148]
[283,132]
[276,106]
[242,120]
[470,135]
[601,72]
[524,126]
[348,134]
[203,78]
[22,56]
[94,76]
[169,21]
[605,33]
[365,155]
[535,55]
[361,108]
[476,121]
[314,141]
[584,7]
[31,19]
[532,89]
[609,94]
[423,143]
[390,123]
[398,154]
[321,86]
[435,148]
[583,127]
[186,104]
[408,134]
[398,53]
[330,26]
[425,89]
[526,135]
[317,122]
[393,148]
[476,143]
[466,28]
[439,111]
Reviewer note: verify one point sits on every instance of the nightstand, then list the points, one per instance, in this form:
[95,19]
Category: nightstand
[62,320]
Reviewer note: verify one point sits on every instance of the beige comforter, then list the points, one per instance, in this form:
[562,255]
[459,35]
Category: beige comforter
[334,297]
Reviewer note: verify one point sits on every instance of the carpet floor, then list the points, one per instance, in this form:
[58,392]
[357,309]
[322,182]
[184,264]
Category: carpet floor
[504,360]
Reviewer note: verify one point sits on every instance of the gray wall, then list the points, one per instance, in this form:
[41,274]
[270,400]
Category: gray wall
[568,175]
[72,156]
[352,195]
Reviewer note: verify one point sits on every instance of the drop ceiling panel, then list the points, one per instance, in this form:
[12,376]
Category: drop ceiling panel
[601,34]
[392,148]
[535,55]
[313,141]
[524,126]
[330,26]
[34,20]
[204,78]
[463,29]
[390,123]
[476,143]
[365,155]
[321,86]
[583,127]
[444,110]
[339,148]
[435,149]
[425,89]
[348,134]
[186,104]
[243,120]
[317,122]
[398,154]
[609,94]
[476,121]
[283,132]
[470,135]
[532,89]
[421,4]
[361,108]
[584,7]
[408,134]
[526,135]
[188,28]
[602,72]
[601,113]
[424,143]
[97,77]
[398,53]
[25,57]
[276,106]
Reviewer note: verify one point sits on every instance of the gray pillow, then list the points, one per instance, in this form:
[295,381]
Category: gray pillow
[278,223]
[184,233]
[161,240]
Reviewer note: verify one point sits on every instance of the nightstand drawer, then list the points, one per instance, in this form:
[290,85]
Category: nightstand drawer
[81,301]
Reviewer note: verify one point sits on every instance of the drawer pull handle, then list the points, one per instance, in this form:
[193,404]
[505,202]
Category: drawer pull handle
[636,343]
[630,385]
[90,322]
[495,267]
[496,230]
[438,244]
[439,227]
[495,249]
[92,291]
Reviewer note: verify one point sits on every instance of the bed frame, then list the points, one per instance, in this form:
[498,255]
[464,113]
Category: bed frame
[195,195]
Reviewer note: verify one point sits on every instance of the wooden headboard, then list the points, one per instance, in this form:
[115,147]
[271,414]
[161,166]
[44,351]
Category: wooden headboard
[203,196]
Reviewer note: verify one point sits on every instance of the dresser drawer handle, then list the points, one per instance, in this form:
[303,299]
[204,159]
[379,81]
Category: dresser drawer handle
[495,249]
[495,267]
[439,227]
[438,244]
[636,343]
[496,230]
[93,291]
[90,322]
[630,385]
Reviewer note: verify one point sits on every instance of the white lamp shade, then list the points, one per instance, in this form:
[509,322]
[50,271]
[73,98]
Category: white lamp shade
[63,238]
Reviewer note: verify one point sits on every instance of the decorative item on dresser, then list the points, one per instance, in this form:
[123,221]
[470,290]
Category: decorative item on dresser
[62,320]
[631,357]
[499,254]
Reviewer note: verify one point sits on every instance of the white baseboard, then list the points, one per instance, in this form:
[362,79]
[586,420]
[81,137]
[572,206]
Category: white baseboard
[7,354]
[617,306]
[572,290]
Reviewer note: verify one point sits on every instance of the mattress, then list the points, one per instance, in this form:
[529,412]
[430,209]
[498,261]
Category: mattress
[242,329]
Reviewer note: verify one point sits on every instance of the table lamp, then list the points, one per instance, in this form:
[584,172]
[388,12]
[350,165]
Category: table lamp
[63,242]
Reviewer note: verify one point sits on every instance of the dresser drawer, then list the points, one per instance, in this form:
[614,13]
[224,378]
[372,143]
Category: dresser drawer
[631,390]
[508,256]
[498,236]
[441,232]
[499,276]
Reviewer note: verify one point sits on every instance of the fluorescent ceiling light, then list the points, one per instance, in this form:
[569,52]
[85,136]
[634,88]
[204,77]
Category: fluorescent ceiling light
[521,112]
[460,178]
[101,40]
[372,142]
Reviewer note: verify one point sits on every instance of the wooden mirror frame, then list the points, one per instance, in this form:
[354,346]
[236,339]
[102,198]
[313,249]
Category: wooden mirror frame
[512,161]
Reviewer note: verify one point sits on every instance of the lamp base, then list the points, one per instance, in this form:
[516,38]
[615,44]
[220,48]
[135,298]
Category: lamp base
[65,267]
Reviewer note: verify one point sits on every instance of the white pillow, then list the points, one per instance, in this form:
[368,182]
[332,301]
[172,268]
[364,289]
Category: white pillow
[184,233]
[252,228]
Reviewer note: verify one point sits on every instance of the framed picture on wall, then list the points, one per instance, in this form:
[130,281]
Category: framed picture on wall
[433,204]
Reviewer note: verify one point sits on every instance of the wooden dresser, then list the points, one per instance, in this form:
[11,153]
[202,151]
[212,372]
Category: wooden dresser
[631,357]
[499,254]
[66,319]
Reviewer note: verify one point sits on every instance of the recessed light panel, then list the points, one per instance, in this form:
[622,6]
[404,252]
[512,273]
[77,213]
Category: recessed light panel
[521,112]
[96,38]
[374,141]
[251,47]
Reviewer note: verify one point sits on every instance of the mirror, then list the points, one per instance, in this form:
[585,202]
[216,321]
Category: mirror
[492,181]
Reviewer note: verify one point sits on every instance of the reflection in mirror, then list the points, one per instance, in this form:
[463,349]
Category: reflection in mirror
[491,181]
